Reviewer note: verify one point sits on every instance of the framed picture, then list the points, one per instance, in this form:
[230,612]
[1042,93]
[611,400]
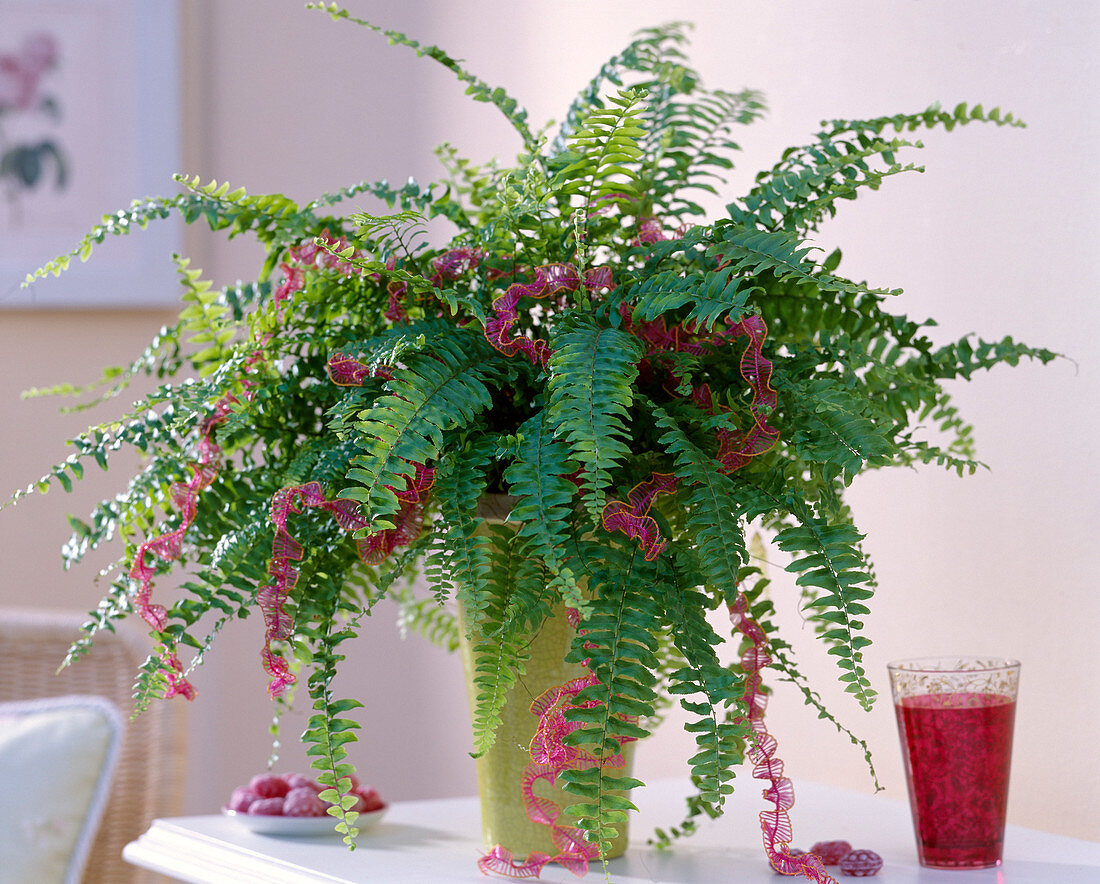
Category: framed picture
[89,121]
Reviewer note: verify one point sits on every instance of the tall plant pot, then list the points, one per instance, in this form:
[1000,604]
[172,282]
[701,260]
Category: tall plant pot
[500,771]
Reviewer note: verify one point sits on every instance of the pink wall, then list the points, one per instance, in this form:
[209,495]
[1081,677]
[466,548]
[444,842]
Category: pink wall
[997,236]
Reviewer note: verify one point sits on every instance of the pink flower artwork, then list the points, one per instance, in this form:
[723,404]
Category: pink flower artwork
[31,160]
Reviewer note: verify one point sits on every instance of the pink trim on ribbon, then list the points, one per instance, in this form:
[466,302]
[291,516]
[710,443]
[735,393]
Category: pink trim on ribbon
[286,551]
[169,546]
[632,517]
[736,449]
[775,824]
[550,280]
[347,371]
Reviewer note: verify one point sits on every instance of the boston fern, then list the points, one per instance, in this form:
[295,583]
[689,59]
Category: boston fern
[641,383]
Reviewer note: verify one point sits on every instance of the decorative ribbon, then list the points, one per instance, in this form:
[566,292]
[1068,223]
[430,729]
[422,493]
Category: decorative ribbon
[286,551]
[347,371]
[550,279]
[735,449]
[204,470]
[775,824]
[169,546]
[448,267]
[632,517]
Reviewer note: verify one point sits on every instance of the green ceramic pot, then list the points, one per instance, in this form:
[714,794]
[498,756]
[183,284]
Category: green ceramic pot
[504,818]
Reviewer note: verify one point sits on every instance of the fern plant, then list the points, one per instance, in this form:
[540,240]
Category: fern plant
[644,383]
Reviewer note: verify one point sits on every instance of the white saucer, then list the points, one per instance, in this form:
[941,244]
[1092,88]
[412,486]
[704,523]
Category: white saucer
[300,826]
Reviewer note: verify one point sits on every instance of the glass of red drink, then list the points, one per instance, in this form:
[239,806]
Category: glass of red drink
[955,717]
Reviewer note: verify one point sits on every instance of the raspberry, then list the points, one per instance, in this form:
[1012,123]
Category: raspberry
[369,800]
[268,786]
[303,801]
[794,851]
[831,852]
[298,781]
[241,798]
[266,807]
[861,863]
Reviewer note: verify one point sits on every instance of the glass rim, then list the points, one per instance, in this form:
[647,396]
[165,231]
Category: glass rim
[950,664]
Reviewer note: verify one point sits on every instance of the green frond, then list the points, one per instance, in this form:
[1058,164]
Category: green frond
[391,233]
[933,115]
[136,217]
[715,295]
[430,395]
[708,691]
[161,358]
[805,186]
[690,147]
[653,53]
[618,641]
[759,252]
[460,558]
[602,156]
[519,603]
[592,372]
[714,510]
[537,478]
[833,568]
[205,318]
[476,88]
[834,426]
[970,354]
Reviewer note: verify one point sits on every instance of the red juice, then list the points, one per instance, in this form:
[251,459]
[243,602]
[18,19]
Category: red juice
[958,748]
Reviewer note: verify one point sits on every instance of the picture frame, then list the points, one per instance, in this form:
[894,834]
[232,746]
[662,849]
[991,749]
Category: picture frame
[89,120]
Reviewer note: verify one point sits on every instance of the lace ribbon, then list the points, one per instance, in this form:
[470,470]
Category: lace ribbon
[632,517]
[775,824]
[550,279]
[169,546]
[286,552]
[735,449]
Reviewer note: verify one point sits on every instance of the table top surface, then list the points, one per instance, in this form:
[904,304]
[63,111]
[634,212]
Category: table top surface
[439,841]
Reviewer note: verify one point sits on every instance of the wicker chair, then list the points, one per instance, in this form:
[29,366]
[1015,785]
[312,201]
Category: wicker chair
[149,778]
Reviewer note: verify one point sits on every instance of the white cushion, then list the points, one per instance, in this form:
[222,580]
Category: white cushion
[57,757]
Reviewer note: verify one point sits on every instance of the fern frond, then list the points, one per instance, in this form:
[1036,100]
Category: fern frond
[518,607]
[652,52]
[970,354]
[933,115]
[714,510]
[538,479]
[618,642]
[476,88]
[833,426]
[431,394]
[805,186]
[833,565]
[717,691]
[461,555]
[693,153]
[592,372]
[757,252]
[716,295]
[601,161]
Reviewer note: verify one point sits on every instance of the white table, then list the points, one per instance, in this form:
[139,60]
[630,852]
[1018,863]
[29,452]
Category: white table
[433,842]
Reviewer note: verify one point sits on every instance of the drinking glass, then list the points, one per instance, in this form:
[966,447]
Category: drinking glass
[955,717]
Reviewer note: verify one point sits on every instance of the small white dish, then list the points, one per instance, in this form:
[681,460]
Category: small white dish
[301,826]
